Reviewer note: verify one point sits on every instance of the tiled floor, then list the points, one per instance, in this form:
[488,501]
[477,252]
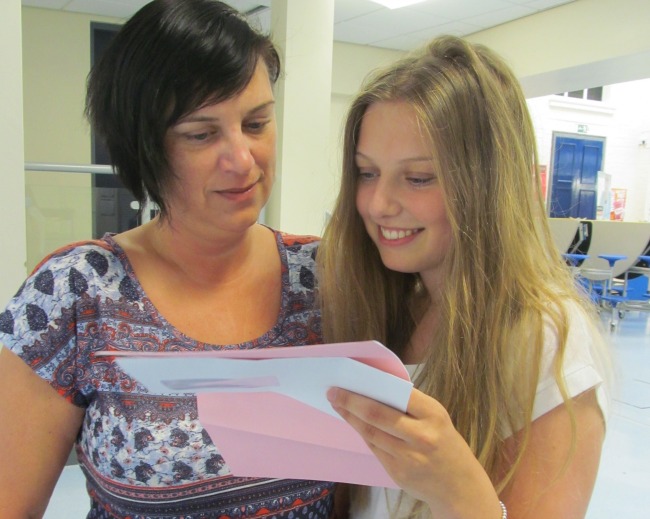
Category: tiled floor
[623,486]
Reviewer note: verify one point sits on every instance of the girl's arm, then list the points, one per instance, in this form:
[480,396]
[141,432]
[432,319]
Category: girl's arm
[425,455]
[545,485]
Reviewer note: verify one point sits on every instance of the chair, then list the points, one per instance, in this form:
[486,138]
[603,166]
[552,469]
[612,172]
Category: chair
[635,286]
[609,241]
[565,232]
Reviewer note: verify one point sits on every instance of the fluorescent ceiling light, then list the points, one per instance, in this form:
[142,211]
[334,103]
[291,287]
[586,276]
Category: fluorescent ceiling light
[396,4]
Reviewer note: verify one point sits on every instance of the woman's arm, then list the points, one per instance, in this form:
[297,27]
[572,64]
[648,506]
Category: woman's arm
[425,455]
[37,430]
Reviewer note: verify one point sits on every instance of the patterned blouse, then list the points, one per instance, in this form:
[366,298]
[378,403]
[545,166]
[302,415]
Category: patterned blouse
[145,455]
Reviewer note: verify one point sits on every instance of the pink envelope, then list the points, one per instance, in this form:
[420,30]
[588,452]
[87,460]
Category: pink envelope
[267,433]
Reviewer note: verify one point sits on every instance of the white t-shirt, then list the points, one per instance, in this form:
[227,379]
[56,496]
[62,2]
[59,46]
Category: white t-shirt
[581,374]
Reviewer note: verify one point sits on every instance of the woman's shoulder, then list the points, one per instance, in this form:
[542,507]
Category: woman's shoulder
[298,254]
[96,253]
[49,299]
[77,268]
[299,248]
[298,240]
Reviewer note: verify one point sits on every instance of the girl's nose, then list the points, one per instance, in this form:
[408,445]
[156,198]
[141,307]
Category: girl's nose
[384,200]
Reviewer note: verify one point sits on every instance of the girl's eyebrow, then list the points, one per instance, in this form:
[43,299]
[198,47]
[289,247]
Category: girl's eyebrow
[360,155]
[199,118]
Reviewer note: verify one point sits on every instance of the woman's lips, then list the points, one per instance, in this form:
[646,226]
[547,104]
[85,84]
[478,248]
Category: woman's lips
[239,193]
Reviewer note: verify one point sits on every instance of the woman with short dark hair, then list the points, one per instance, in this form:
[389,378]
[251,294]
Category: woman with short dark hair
[183,98]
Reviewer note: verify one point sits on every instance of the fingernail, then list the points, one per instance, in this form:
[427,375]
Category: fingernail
[332,394]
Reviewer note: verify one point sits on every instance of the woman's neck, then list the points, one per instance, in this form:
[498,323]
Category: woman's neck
[204,259]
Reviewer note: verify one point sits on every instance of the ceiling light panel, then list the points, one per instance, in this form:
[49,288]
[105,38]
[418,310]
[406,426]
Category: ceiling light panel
[396,4]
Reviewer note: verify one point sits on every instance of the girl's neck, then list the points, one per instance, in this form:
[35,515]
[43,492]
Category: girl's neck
[421,340]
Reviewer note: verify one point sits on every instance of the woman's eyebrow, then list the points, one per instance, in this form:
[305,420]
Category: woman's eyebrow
[262,106]
[199,118]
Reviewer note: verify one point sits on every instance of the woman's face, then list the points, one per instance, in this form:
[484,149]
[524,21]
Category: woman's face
[398,195]
[222,157]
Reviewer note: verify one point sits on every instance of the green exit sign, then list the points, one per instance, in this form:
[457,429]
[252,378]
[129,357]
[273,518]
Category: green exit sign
[583,128]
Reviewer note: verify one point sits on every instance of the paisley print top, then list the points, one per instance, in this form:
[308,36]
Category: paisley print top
[146,455]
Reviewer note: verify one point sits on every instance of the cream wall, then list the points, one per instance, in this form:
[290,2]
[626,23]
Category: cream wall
[550,51]
[351,64]
[584,44]
[56,57]
[581,44]
[56,66]
[12,213]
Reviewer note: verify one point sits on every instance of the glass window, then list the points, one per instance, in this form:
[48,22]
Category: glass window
[595,93]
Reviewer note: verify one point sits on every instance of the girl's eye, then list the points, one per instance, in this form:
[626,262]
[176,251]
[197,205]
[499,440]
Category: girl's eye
[420,181]
[199,136]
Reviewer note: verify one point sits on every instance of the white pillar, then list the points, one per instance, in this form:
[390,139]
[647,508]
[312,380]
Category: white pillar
[303,32]
[12,160]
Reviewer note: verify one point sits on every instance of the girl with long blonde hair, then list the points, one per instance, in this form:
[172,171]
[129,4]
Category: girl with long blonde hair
[438,246]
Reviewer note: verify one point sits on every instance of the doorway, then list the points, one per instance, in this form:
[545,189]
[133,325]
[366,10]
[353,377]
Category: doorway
[574,176]
[113,204]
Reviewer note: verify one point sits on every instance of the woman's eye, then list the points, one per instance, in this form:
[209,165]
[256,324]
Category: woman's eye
[365,176]
[256,126]
[199,137]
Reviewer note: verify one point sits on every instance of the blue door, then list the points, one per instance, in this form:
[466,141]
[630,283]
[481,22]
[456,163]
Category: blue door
[574,187]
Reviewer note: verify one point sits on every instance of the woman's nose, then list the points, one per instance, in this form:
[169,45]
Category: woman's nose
[236,155]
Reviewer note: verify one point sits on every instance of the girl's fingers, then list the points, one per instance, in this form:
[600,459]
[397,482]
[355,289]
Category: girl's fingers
[377,423]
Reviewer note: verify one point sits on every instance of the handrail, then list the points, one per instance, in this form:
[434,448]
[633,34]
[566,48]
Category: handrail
[94,168]
[69,168]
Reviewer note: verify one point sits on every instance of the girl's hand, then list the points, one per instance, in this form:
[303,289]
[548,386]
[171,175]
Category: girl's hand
[423,453]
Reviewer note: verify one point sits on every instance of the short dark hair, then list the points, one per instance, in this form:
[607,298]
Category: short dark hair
[171,58]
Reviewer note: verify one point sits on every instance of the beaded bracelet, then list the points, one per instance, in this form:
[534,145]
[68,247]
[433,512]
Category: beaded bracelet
[504,510]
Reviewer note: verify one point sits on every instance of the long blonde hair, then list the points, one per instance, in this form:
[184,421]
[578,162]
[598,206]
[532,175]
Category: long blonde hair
[504,276]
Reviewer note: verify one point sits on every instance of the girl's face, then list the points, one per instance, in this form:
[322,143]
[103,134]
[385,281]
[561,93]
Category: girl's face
[223,159]
[398,195]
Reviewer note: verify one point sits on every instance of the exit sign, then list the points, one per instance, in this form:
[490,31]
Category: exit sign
[583,128]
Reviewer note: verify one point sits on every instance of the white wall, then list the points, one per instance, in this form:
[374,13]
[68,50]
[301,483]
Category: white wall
[627,157]
[12,194]
[622,119]
[303,33]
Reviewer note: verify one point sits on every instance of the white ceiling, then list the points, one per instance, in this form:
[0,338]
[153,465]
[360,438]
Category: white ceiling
[361,21]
